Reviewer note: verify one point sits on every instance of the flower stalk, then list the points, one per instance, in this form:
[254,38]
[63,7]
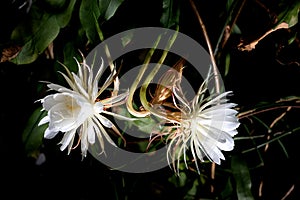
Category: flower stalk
[150,77]
[129,102]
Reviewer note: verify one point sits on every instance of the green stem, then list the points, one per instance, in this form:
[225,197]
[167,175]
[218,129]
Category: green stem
[136,82]
[111,65]
[143,96]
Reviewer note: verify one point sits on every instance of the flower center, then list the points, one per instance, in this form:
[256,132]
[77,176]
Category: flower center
[71,105]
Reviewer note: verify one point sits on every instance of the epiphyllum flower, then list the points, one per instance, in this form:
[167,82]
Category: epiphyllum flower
[206,127]
[77,110]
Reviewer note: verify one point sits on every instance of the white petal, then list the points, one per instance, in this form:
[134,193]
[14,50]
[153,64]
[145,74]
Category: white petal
[90,132]
[71,145]
[68,137]
[58,88]
[80,70]
[115,99]
[103,132]
[215,100]
[83,131]
[98,107]
[48,102]
[226,146]
[44,120]
[121,117]
[80,87]
[106,122]
[49,134]
[62,119]
[70,82]
[96,80]
[213,152]
[90,84]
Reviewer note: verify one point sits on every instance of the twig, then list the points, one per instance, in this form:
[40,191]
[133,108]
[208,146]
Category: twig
[228,28]
[255,111]
[272,140]
[273,123]
[288,192]
[215,68]
[252,45]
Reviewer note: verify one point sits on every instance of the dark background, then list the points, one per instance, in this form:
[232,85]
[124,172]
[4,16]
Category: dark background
[254,77]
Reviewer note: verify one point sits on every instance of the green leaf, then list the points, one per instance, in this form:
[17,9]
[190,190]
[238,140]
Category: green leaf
[292,38]
[227,64]
[89,10]
[54,4]
[102,10]
[242,178]
[126,39]
[236,29]
[111,8]
[33,134]
[143,124]
[63,18]
[38,31]
[178,181]
[170,15]
[191,194]
[229,5]
[289,13]
[70,53]
[228,190]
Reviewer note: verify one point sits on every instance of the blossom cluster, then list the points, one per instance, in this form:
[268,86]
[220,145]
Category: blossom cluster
[204,126]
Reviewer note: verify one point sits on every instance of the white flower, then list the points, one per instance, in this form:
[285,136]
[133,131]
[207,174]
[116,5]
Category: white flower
[206,127]
[78,110]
